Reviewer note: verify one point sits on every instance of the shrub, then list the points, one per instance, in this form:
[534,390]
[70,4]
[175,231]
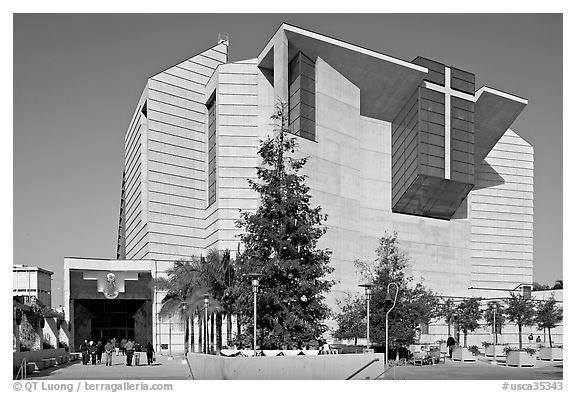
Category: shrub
[46,345]
[530,351]
[474,349]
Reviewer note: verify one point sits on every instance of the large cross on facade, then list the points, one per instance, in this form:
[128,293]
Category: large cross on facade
[448,92]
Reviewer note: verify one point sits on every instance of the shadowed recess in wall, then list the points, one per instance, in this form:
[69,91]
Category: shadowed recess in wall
[487,176]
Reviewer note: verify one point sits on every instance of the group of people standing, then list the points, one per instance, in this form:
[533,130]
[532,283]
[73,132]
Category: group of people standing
[93,351]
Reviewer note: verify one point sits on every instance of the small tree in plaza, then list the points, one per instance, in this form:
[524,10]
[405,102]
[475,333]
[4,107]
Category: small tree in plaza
[447,310]
[548,316]
[351,319]
[520,311]
[280,240]
[489,317]
[415,303]
[467,316]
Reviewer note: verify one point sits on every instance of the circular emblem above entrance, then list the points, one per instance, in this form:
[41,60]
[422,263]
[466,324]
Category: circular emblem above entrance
[110,290]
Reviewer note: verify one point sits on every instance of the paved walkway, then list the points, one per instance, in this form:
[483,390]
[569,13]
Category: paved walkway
[480,370]
[162,369]
[176,370]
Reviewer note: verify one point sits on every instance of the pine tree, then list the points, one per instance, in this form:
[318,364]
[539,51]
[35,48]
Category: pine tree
[280,240]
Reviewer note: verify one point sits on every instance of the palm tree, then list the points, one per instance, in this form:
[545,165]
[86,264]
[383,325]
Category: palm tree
[219,274]
[186,288]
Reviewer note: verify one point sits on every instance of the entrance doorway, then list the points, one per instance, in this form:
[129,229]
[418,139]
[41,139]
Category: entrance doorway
[104,319]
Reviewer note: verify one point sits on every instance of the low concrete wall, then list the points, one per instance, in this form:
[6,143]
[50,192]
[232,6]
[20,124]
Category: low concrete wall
[285,367]
[36,356]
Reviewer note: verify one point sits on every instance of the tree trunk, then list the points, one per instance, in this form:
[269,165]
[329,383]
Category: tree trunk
[200,335]
[192,349]
[238,326]
[448,329]
[465,338]
[520,336]
[187,336]
[228,328]
[218,333]
[550,337]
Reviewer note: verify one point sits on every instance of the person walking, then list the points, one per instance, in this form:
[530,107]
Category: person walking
[530,338]
[123,346]
[538,339]
[84,351]
[129,349]
[99,351]
[108,349]
[93,350]
[149,353]
[450,343]
[113,342]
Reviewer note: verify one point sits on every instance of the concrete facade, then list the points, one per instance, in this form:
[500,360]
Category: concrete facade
[195,132]
[168,214]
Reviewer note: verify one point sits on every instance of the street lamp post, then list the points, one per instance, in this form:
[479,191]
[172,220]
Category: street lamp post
[368,293]
[206,303]
[255,284]
[388,303]
[494,335]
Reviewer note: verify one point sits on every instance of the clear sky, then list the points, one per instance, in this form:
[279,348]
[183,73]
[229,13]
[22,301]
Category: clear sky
[77,79]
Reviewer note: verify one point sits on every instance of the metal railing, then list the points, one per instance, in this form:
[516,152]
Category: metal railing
[22,370]
[363,368]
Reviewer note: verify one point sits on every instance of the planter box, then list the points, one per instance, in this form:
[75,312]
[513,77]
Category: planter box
[520,359]
[443,348]
[551,354]
[462,354]
[499,349]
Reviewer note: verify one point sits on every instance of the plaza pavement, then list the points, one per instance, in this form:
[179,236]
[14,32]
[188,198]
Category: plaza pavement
[481,369]
[174,369]
[164,368]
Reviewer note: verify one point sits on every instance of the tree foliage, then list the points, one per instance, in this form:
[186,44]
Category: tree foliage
[548,316]
[489,316]
[186,283]
[520,311]
[280,240]
[447,310]
[351,319]
[415,304]
[467,316]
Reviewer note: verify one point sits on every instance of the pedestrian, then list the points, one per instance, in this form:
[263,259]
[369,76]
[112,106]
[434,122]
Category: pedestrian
[538,339]
[530,338]
[149,353]
[117,347]
[108,349]
[113,342]
[93,350]
[450,343]
[84,351]
[129,350]
[99,350]
[123,346]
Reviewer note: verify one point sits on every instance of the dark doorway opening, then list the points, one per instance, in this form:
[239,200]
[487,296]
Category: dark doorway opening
[104,319]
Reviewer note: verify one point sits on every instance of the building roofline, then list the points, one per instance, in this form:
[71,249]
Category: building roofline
[500,93]
[341,43]
[31,268]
